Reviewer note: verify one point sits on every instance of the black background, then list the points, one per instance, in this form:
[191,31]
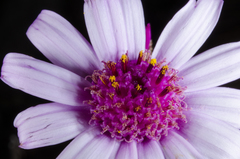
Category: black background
[17,15]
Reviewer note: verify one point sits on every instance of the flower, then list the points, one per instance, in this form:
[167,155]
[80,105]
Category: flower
[134,104]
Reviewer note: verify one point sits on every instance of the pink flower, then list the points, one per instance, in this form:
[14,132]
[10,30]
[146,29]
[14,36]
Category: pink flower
[129,105]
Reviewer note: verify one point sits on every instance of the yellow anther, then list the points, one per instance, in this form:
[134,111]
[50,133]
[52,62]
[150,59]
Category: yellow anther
[149,126]
[112,78]
[111,95]
[124,116]
[101,78]
[164,69]
[115,84]
[124,58]
[141,54]
[105,129]
[148,114]
[119,131]
[138,87]
[149,100]
[138,108]
[153,62]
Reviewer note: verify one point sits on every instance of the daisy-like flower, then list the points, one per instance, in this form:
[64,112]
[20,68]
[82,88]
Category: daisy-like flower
[119,99]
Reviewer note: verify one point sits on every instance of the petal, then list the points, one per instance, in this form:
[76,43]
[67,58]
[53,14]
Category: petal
[90,144]
[187,31]
[50,124]
[221,103]
[212,68]
[43,79]
[149,150]
[99,148]
[115,27]
[62,44]
[115,150]
[127,151]
[175,146]
[211,137]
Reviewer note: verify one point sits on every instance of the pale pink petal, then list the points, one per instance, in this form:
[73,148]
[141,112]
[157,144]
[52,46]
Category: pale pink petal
[115,150]
[72,150]
[211,137]
[43,79]
[62,44]
[127,151]
[175,146]
[187,31]
[99,148]
[115,27]
[149,150]
[221,103]
[212,68]
[90,144]
[50,124]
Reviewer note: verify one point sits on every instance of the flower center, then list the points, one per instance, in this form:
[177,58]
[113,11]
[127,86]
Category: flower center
[134,99]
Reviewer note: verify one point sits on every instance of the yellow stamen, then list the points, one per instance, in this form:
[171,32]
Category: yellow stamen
[138,87]
[149,126]
[115,84]
[101,78]
[124,117]
[141,54]
[119,131]
[124,58]
[111,95]
[164,69]
[112,78]
[138,108]
[153,62]
[149,100]
[148,114]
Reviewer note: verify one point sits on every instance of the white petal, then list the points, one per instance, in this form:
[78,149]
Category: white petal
[212,68]
[50,124]
[187,31]
[115,27]
[221,103]
[149,150]
[62,44]
[175,146]
[211,137]
[43,79]
[127,151]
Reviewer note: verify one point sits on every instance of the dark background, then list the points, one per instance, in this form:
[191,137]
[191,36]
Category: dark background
[17,15]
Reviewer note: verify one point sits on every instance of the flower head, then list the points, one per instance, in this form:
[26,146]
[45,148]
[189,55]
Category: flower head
[119,97]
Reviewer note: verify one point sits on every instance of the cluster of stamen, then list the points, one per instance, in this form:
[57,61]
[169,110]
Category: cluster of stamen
[134,99]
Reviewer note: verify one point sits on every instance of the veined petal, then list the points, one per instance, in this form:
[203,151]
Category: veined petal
[115,150]
[187,31]
[211,137]
[62,44]
[50,124]
[175,146]
[149,150]
[212,68]
[221,103]
[115,27]
[90,144]
[79,143]
[99,148]
[127,151]
[43,79]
